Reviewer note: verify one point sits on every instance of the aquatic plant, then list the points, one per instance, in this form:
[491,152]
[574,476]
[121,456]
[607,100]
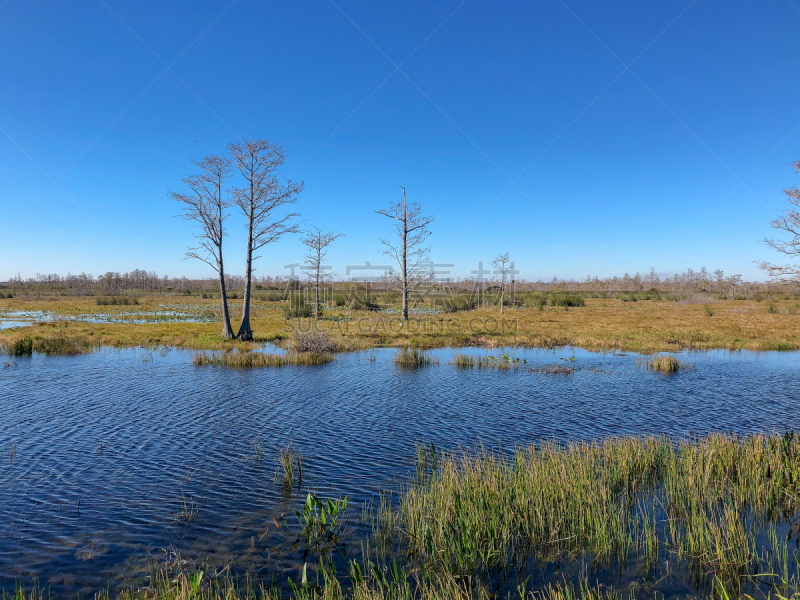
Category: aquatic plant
[186,513]
[661,363]
[701,502]
[320,523]
[503,362]
[463,361]
[246,360]
[413,358]
[291,462]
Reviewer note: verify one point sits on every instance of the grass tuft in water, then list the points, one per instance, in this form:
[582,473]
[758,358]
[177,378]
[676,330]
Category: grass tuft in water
[291,462]
[247,360]
[186,513]
[413,358]
[663,363]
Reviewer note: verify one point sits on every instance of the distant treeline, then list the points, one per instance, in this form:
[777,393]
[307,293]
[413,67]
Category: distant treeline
[140,281]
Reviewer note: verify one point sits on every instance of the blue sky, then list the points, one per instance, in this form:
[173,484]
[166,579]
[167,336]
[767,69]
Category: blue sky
[516,124]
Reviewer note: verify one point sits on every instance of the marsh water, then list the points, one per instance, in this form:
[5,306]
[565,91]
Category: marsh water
[100,452]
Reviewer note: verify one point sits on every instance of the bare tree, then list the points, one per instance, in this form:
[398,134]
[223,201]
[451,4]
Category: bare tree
[260,199]
[733,281]
[789,223]
[502,266]
[206,204]
[719,278]
[410,251]
[318,243]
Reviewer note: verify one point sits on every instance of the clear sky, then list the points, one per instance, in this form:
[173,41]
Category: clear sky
[583,137]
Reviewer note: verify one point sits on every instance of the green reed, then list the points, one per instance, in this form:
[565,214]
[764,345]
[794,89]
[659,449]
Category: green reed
[291,462]
[413,358]
[700,502]
[662,363]
[247,360]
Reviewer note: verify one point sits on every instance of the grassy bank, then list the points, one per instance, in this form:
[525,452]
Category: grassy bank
[601,324]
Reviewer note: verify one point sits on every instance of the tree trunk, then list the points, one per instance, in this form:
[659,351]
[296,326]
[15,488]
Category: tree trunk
[316,292]
[405,260]
[245,331]
[502,295]
[227,332]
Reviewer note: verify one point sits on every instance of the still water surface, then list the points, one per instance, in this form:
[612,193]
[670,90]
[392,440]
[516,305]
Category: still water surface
[99,451]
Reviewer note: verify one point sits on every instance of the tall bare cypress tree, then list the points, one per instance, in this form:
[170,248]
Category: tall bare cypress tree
[206,204]
[409,249]
[260,199]
[318,243]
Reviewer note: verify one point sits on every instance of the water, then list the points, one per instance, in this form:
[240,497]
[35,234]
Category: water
[98,452]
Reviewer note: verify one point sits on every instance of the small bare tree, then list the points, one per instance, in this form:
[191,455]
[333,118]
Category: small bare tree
[206,204]
[502,267]
[259,200]
[789,223]
[318,243]
[409,251]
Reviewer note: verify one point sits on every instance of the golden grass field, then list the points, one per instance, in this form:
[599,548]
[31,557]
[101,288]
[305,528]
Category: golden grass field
[603,324]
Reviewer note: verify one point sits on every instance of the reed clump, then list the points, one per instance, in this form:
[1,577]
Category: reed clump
[503,362]
[663,363]
[249,360]
[291,462]
[414,358]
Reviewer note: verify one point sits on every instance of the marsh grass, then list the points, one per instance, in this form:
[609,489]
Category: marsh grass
[566,300]
[186,513]
[62,344]
[414,358]
[248,360]
[661,363]
[291,463]
[117,301]
[58,344]
[715,510]
[21,347]
[700,503]
[503,362]
[603,324]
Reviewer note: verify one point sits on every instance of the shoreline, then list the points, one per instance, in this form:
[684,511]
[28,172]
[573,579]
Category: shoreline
[602,325]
